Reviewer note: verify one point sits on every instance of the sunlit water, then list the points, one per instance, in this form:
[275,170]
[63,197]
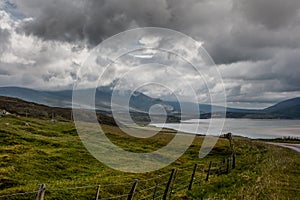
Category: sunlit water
[252,128]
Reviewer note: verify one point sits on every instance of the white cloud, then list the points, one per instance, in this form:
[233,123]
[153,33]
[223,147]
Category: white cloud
[33,62]
[257,50]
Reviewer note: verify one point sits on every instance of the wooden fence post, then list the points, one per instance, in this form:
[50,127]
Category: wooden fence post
[220,168]
[228,165]
[173,182]
[98,192]
[229,137]
[208,171]
[41,192]
[132,190]
[156,187]
[224,164]
[233,160]
[193,177]
[168,184]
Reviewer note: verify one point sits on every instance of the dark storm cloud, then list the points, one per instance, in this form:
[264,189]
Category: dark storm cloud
[232,30]
[93,20]
[256,43]
[258,29]
[273,14]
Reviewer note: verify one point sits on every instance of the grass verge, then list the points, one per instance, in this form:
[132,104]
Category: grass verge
[37,151]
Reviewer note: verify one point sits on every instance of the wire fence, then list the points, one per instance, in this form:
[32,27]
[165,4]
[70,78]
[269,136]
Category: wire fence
[164,186]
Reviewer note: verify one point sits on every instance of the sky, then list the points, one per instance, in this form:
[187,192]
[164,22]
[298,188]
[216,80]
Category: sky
[255,44]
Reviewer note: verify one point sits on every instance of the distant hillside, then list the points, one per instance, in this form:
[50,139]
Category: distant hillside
[288,109]
[139,102]
[23,108]
[206,108]
[40,97]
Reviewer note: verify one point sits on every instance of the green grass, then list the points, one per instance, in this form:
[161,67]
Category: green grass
[263,172]
[52,153]
[282,140]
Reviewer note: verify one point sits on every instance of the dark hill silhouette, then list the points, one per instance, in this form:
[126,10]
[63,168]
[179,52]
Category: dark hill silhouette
[289,108]
[30,109]
[140,104]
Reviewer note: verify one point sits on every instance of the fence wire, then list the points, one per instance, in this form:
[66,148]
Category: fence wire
[151,188]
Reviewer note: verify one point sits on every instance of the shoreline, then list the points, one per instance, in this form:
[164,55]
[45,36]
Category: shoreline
[236,135]
[252,129]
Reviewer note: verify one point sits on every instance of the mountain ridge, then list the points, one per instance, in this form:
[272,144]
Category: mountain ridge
[63,98]
[141,103]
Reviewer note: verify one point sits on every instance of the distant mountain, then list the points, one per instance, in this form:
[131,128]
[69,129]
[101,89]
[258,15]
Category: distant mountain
[29,109]
[140,104]
[41,97]
[138,101]
[287,109]
[206,108]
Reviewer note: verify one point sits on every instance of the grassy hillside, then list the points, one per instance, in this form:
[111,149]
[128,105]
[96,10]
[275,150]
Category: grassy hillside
[34,110]
[52,153]
[23,108]
[139,102]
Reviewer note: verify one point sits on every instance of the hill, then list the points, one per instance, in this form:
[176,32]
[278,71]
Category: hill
[52,153]
[40,97]
[139,102]
[30,109]
[289,108]
[206,108]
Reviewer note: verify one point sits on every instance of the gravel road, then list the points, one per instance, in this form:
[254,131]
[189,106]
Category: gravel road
[295,147]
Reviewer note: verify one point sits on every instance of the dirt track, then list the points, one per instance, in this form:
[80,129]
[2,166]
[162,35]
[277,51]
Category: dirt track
[295,147]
